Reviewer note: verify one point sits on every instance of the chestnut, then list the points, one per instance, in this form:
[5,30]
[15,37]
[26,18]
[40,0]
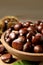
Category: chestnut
[17,26]
[40,27]
[27,47]
[31,28]
[6,57]
[20,39]
[23,31]
[36,38]
[38,49]
[12,35]
[17,45]
[40,36]
[29,35]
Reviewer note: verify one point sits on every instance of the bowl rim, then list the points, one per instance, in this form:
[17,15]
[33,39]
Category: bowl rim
[21,52]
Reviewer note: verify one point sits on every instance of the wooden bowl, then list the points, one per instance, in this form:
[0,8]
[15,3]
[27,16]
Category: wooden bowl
[20,54]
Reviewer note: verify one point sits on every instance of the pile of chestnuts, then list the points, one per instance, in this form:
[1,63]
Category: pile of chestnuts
[26,36]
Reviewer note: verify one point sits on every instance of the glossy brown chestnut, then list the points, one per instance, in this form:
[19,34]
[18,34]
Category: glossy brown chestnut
[36,38]
[31,28]
[38,49]
[6,57]
[40,27]
[27,47]
[12,35]
[20,39]
[17,45]
[18,26]
[23,31]
[29,35]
